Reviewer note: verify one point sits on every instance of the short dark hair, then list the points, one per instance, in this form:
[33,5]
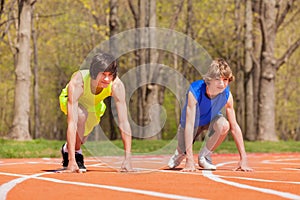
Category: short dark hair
[103,62]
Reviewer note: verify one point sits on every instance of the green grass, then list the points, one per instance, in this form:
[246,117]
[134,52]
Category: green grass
[50,148]
[29,149]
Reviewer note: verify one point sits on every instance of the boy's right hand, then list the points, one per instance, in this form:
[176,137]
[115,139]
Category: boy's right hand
[72,168]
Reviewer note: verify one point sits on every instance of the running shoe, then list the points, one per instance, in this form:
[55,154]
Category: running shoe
[80,162]
[205,165]
[208,159]
[176,159]
[65,156]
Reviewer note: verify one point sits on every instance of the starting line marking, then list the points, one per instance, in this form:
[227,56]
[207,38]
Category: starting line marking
[259,180]
[5,188]
[213,177]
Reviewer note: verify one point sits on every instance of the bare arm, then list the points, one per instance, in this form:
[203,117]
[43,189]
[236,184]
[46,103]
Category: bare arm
[75,90]
[118,93]
[188,132]
[237,135]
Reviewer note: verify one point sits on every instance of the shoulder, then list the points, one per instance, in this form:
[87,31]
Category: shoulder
[227,92]
[77,79]
[117,84]
[118,89]
[75,88]
[197,88]
[84,73]
[229,102]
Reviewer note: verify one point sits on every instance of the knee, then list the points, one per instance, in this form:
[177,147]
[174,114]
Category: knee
[81,118]
[82,115]
[222,125]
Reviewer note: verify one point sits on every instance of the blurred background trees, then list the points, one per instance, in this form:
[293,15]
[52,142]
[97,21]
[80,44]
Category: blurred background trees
[259,39]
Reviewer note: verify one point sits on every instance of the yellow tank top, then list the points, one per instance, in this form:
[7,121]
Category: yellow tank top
[90,101]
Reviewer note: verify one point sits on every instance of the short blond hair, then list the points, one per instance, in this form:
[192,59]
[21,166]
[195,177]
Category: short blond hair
[218,68]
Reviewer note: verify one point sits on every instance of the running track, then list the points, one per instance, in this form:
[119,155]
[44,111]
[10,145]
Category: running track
[276,176]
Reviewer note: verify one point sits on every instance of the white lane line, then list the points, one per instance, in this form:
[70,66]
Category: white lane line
[293,169]
[282,161]
[259,180]
[30,163]
[213,177]
[5,188]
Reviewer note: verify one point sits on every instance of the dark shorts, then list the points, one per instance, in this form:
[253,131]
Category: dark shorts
[197,131]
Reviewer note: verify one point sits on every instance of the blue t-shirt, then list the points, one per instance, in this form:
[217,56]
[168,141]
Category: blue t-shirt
[206,109]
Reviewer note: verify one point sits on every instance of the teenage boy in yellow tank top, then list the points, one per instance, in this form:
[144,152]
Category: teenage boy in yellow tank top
[82,101]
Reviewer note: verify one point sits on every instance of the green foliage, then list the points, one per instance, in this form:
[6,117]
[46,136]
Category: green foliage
[170,128]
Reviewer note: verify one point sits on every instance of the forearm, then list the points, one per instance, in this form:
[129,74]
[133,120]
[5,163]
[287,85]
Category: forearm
[72,128]
[189,126]
[71,140]
[239,141]
[189,142]
[126,137]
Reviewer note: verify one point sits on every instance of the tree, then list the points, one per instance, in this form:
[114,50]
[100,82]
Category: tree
[249,94]
[239,72]
[20,126]
[37,133]
[148,95]
[1,7]
[113,29]
[271,14]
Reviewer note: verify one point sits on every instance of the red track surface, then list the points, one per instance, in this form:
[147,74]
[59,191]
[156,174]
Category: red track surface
[276,176]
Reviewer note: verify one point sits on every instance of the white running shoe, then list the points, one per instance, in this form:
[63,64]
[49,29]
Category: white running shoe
[176,159]
[205,165]
[208,159]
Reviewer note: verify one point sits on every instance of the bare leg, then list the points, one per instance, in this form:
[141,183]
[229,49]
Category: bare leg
[216,135]
[220,128]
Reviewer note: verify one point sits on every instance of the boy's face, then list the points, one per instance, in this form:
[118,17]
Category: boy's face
[104,79]
[218,85]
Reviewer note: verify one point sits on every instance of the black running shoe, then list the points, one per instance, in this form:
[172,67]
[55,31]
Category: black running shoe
[65,156]
[80,162]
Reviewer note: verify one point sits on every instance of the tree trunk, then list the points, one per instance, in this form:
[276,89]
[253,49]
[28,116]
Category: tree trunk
[257,44]
[148,91]
[141,75]
[186,43]
[136,16]
[240,92]
[250,129]
[153,74]
[1,8]
[113,29]
[266,118]
[35,82]
[177,84]
[20,126]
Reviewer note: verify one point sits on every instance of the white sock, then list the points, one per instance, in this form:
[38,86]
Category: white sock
[79,151]
[65,148]
[204,152]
